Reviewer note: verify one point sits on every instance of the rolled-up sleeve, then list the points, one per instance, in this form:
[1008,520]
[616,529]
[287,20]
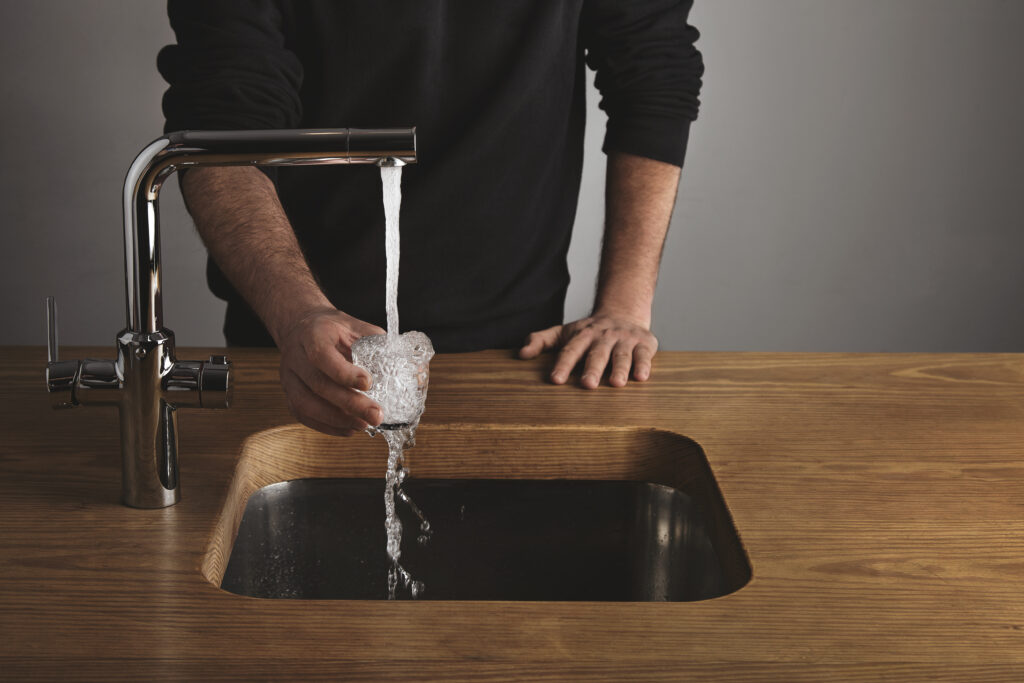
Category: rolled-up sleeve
[230,68]
[648,73]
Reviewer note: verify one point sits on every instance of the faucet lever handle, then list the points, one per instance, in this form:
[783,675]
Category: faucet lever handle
[52,350]
[61,376]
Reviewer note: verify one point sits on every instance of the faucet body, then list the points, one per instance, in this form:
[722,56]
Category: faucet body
[146,382]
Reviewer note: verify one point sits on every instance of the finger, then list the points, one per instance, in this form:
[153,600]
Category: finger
[367,330]
[328,359]
[540,341]
[326,428]
[597,360]
[341,330]
[571,354]
[306,405]
[643,356]
[349,401]
[622,359]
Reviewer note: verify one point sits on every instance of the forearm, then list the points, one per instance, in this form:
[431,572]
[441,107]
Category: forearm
[639,197]
[241,221]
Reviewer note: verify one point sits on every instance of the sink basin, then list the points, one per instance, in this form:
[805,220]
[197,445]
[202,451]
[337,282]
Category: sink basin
[518,513]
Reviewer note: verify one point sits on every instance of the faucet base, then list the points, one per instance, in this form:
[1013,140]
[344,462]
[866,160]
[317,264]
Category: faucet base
[149,427]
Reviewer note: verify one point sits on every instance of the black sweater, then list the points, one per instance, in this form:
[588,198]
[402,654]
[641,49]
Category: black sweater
[496,90]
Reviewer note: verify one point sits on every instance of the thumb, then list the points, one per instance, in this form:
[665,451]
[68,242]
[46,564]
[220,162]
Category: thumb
[362,328]
[540,341]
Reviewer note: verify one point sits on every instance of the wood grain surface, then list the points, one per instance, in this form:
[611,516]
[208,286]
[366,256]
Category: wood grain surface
[880,499]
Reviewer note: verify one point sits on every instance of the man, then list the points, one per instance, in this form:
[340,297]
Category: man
[496,90]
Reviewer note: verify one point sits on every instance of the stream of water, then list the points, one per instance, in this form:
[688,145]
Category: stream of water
[398,438]
[391,180]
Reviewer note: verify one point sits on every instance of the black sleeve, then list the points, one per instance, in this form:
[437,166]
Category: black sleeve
[648,73]
[230,69]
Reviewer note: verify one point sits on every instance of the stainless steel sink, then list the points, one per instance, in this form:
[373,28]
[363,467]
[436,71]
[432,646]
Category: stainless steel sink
[519,512]
[519,539]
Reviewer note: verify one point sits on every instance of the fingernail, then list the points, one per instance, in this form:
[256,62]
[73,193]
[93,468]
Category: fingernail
[363,384]
[556,377]
[374,417]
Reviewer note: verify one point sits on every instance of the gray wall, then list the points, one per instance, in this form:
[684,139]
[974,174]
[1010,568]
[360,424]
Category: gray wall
[81,98]
[852,184]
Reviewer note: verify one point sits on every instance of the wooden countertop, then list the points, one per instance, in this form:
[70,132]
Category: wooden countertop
[880,499]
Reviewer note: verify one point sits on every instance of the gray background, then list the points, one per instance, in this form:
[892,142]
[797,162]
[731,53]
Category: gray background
[853,182]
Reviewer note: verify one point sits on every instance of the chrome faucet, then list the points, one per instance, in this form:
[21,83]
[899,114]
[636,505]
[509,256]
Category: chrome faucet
[145,382]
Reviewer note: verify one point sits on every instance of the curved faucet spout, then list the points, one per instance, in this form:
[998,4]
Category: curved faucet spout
[185,149]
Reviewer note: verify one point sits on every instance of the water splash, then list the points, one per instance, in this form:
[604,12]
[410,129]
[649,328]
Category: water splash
[396,473]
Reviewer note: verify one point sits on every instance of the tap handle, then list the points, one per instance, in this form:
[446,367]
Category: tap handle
[52,350]
[61,375]
[216,385]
